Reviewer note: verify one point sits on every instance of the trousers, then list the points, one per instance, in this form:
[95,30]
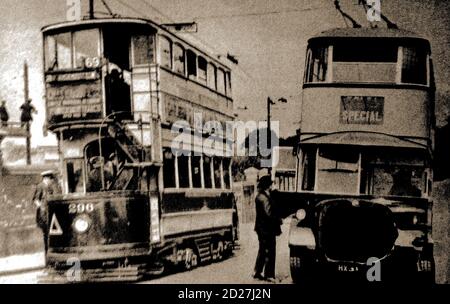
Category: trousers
[265,260]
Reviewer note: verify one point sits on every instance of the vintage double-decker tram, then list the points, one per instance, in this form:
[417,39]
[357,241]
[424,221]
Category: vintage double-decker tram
[131,203]
[364,173]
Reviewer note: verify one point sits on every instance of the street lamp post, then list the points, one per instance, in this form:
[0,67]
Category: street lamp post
[270,102]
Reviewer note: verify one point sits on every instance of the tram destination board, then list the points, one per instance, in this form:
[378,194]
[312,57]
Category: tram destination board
[67,102]
[365,110]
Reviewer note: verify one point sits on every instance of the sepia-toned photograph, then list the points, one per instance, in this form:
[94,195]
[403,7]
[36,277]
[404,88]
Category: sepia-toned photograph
[244,142]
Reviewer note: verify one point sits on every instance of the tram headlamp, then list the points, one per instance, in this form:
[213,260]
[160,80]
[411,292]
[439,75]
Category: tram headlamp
[81,224]
[300,214]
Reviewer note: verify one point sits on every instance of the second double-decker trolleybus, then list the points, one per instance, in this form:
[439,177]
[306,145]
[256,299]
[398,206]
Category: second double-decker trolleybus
[364,174]
[131,202]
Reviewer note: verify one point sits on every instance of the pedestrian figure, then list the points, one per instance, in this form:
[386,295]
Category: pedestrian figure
[4,116]
[267,227]
[27,111]
[48,186]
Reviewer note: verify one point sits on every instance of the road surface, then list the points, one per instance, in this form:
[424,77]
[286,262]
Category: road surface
[236,269]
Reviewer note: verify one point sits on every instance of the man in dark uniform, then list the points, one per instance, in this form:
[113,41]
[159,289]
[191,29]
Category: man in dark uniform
[27,111]
[267,227]
[48,186]
[4,117]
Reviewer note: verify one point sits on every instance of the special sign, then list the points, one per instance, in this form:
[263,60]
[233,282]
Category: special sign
[363,110]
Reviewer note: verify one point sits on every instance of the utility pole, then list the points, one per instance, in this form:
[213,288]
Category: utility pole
[270,102]
[269,131]
[26,97]
[91,9]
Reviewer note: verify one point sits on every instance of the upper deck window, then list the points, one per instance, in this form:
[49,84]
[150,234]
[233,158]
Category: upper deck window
[143,49]
[221,81]
[202,66]
[211,74]
[414,65]
[228,83]
[363,51]
[165,46]
[316,65]
[178,58]
[71,50]
[191,64]
[86,46]
[365,61]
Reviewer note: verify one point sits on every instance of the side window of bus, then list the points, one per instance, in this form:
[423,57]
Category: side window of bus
[211,74]
[207,171]
[75,181]
[169,169]
[165,47]
[317,64]
[196,171]
[178,59]
[202,66]
[220,81]
[191,64]
[414,66]
[143,49]
[217,172]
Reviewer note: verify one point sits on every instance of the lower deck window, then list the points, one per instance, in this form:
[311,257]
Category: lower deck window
[385,172]
[393,181]
[196,172]
[217,172]
[226,172]
[169,169]
[337,171]
[183,171]
[207,171]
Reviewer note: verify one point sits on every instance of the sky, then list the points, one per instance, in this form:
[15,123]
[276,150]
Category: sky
[268,37]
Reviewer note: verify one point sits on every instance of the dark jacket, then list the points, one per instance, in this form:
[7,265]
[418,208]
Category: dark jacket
[3,114]
[267,223]
[41,194]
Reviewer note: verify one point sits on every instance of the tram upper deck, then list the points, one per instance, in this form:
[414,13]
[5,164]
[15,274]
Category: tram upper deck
[368,81]
[133,67]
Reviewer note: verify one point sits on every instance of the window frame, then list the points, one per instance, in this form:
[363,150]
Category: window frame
[160,51]
[174,60]
[202,80]
[83,176]
[72,47]
[133,49]
[191,63]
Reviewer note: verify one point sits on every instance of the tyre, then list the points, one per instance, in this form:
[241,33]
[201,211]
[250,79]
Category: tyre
[191,260]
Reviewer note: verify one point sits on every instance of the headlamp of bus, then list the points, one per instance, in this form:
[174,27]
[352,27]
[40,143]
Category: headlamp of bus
[300,214]
[81,224]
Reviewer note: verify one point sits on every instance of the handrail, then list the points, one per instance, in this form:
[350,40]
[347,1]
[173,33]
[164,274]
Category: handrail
[102,173]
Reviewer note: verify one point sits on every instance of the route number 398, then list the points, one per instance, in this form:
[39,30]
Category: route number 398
[81,208]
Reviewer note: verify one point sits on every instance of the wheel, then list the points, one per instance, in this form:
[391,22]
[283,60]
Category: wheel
[191,260]
[301,266]
[219,254]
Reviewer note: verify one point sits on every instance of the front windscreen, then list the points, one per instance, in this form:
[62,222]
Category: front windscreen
[72,50]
